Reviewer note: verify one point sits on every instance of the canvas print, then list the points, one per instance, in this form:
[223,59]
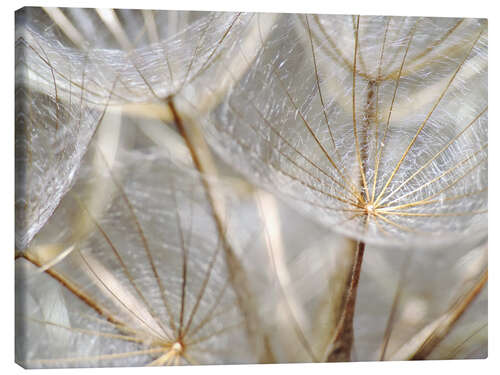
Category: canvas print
[201,188]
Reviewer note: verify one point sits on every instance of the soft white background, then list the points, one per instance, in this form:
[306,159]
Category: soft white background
[475,8]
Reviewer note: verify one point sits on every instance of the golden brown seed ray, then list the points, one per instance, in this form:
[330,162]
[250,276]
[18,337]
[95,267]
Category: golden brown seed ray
[449,170]
[318,84]
[403,157]
[421,214]
[74,83]
[101,357]
[323,105]
[212,59]
[142,236]
[184,245]
[204,285]
[337,50]
[218,332]
[459,179]
[115,296]
[381,149]
[74,289]
[360,212]
[210,317]
[112,22]
[426,201]
[355,29]
[129,47]
[354,124]
[131,56]
[220,41]
[185,252]
[426,51]
[118,326]
[392,58]
[380,227]
[404,228]
[444,148]
[195,54]
[450,52]
[337,57]
[315,204]
[89,332]
[315,188]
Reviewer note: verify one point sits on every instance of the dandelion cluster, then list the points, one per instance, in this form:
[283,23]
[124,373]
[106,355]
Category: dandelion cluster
[214,188]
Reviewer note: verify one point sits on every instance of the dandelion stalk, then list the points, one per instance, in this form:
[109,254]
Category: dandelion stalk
[340,350]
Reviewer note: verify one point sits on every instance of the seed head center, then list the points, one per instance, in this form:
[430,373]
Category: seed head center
[370,209]
[177,348]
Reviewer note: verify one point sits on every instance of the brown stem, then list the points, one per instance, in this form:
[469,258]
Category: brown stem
[369,119]
[340,349]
